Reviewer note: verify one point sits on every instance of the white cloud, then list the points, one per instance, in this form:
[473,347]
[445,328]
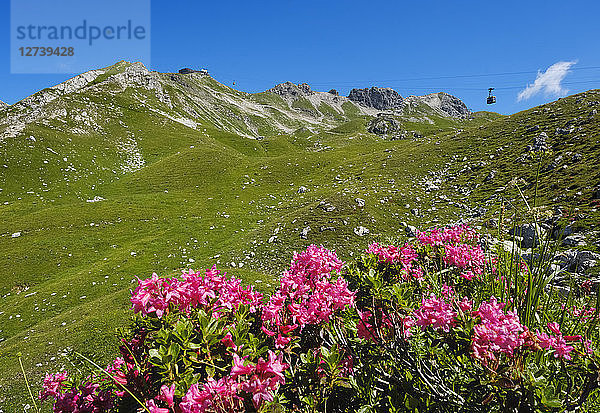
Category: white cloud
[548,81]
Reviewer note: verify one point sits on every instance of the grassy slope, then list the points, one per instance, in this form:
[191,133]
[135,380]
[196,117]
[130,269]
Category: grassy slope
[569,171]
[202,193]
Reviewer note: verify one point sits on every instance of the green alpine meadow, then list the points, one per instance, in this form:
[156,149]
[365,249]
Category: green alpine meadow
[311,251]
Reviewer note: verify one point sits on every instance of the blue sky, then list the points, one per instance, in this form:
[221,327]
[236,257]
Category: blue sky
[460,47]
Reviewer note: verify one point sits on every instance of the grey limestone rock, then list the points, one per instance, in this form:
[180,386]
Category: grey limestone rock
[377,97]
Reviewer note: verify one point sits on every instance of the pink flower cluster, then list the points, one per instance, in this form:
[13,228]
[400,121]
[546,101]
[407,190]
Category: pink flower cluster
[307,295]
[53,385]
[405,255]
[459,251]
[584,313]
[450,235]
[222,395]
[167,395]
[498,332]
[214,396]
[87,397]
[559,342]
[470,258]
[261,378]
[211,289]
[435,312]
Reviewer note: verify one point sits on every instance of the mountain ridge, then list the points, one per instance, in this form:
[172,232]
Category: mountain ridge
[300,104]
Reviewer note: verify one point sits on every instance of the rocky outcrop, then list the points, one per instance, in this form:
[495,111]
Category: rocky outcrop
[384,125]
[3,105]
[539,143]
[40,105]
[377,97]
[333,92]
[444,104]
[532,234]
[291,90]
[187,71]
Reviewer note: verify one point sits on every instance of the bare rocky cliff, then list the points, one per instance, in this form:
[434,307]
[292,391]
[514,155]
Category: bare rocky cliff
[377,97]
[443,103]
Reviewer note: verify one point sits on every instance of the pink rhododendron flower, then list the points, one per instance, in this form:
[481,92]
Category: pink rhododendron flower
[558,342]
[151,405]
[228,341]
[282,341]
[554,327]
[435,312]
[52,385]
[364,328]
[456,244]
[307,295]
[449,235]
[239,369]
[561,348]
[546,341]
[213,396]
[167,394]
[87,397]
[467,257]
[210,290]
[497,333]
[406,256]
[466,305]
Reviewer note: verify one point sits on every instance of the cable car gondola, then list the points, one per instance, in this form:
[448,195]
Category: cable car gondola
[491,98]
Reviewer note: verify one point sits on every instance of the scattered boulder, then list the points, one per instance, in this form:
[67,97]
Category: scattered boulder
[383,125]
[585,260]
[562,232]
[577,261]
[410,230]
[539,144]
[531,234]
[304,232]
[360,202]
[490,243]
[574,240]
[302,190]
[377,97]
[361,231]
[327,207]
[16,235]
